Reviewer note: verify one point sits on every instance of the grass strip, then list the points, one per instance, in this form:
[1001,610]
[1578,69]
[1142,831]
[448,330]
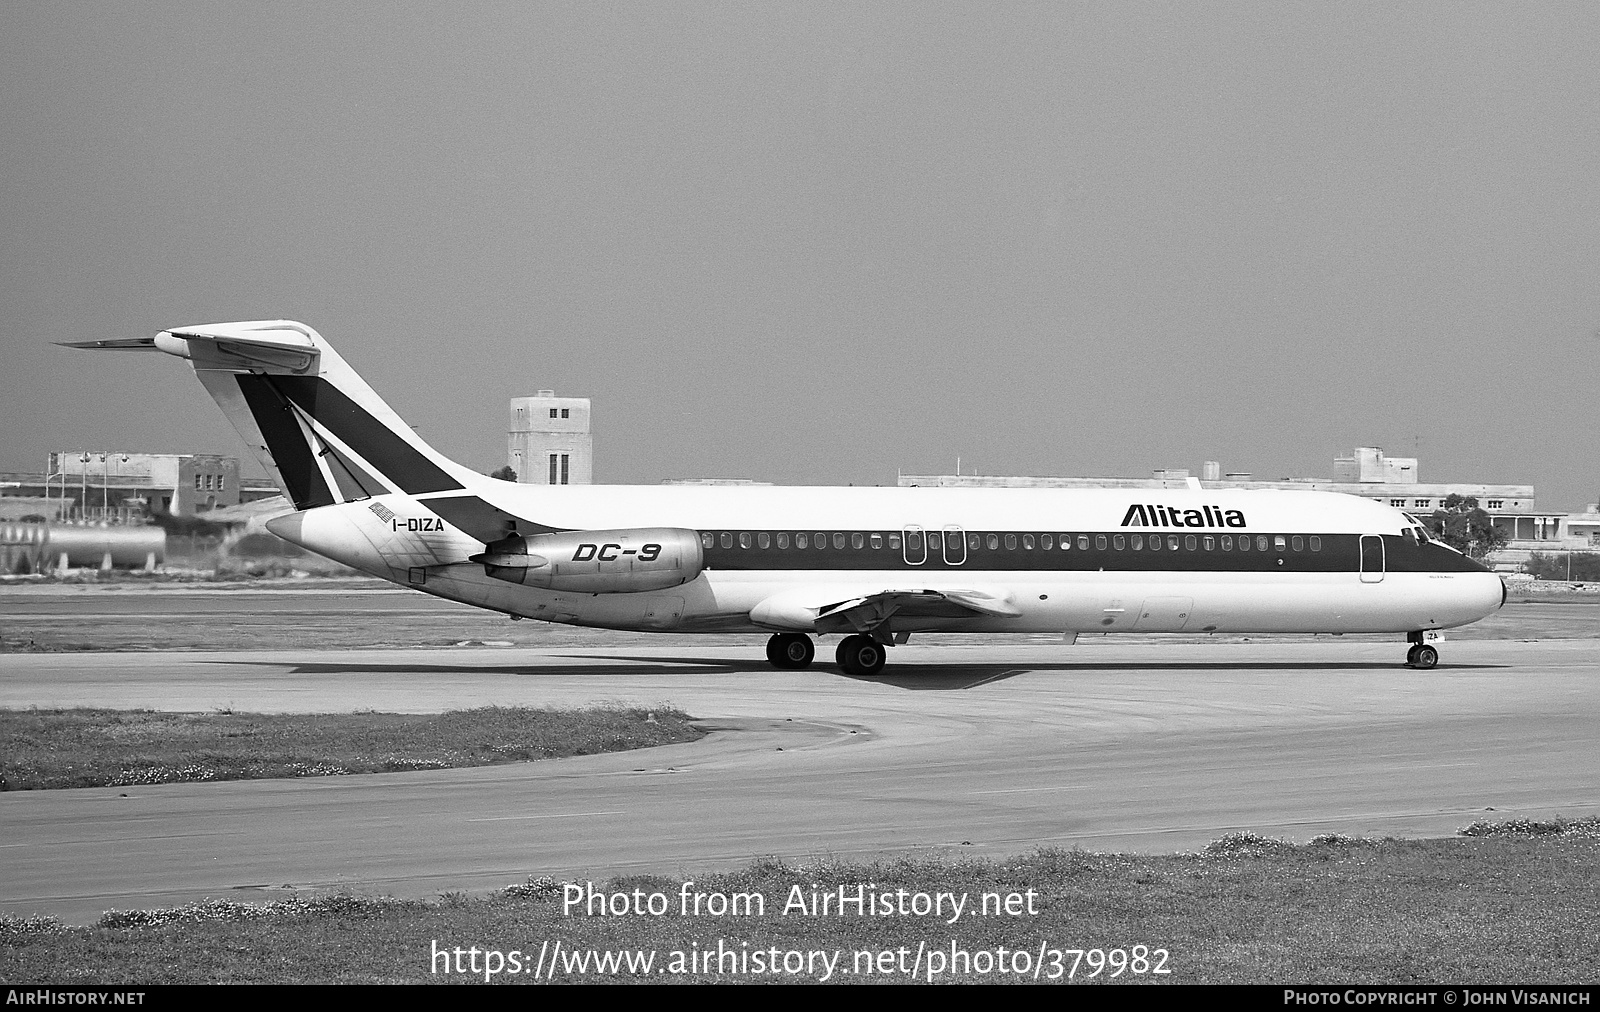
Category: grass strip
[1509,903]
[43,749]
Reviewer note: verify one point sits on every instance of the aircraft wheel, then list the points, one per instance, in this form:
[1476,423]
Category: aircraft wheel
[1411,655]
[1426,657]
[790,650]
[861,655]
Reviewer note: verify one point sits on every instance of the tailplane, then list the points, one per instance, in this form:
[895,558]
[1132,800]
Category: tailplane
[315,425]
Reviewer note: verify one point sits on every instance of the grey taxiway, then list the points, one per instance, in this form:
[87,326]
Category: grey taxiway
[955,750]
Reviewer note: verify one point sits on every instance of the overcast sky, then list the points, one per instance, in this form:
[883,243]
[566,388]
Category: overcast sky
[818,244]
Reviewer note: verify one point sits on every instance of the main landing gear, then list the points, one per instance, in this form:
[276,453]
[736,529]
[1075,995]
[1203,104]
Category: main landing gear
[790,650]
[861,655]
[1421,655]
[857,655]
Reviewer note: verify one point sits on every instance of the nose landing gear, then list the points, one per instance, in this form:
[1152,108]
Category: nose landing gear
[1421,655]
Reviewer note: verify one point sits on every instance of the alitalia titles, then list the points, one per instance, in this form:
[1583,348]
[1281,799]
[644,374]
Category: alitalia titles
[1142,515]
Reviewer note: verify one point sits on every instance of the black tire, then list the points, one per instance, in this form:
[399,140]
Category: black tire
[861,655]
[1411,655]
[795,651]
[790,650]
[1427,657]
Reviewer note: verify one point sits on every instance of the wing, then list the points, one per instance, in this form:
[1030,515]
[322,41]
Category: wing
[873,613]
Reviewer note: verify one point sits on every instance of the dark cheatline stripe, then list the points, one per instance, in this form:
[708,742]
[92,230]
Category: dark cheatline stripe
[1340,553]
[479,519]
[290,452]
[396,459]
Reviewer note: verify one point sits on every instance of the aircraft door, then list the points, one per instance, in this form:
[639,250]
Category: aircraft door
[955,546]
[1371,558]
[915,546]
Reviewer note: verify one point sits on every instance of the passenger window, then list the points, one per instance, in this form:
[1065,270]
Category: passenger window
[1118,542]
[1261,542]
[744,539]
[974,541]
[820,540]
[877,541]
[1280,543]
[1227,542]
[783,541]
[1172,542]
[935,541]
[1027,542]
[763,540]
[1297,542]
[1208,542]
[727,540]
[1046,542]
[994,542]
[800,540]
[1138,542]
[708,540]
[838,542]
[1083,542]
[1244,544]
[858,540]
[894,542]
[1100,541]
[1191,542]
[1011,542]
[1316,543]
[1155,542]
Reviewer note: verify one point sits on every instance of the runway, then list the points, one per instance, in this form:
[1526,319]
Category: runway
[981,750]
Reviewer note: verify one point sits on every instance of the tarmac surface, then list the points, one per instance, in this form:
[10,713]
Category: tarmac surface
[973,750]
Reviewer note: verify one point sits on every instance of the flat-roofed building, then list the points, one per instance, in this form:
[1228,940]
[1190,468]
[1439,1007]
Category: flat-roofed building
[548,440]
[121,485]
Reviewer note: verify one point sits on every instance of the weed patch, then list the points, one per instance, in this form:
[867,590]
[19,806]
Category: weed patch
[44,749]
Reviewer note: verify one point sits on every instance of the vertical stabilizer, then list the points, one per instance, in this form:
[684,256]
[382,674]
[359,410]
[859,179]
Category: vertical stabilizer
[321,431]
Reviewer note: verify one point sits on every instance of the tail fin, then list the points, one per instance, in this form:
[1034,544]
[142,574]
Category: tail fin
[311,421]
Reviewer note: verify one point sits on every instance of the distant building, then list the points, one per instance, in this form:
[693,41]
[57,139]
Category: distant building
[738,482]
[124,485]
[549,442]
[1367,472]
[1368,464]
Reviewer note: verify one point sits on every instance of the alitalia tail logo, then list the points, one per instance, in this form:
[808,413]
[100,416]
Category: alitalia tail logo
[1140,515]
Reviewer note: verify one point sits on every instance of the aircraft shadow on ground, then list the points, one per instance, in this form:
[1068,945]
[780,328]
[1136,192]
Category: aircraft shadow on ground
[912,677]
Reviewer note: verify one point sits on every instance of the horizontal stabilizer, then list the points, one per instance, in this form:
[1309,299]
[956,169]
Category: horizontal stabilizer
[115,344]
[259,345]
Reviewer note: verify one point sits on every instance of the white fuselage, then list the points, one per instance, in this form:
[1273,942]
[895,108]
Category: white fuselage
[1368,573]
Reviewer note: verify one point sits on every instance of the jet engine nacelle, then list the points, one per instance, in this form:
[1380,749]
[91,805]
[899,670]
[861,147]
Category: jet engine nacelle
[598,562]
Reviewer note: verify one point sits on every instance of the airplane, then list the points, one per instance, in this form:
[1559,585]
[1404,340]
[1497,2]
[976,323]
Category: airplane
[875,564]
